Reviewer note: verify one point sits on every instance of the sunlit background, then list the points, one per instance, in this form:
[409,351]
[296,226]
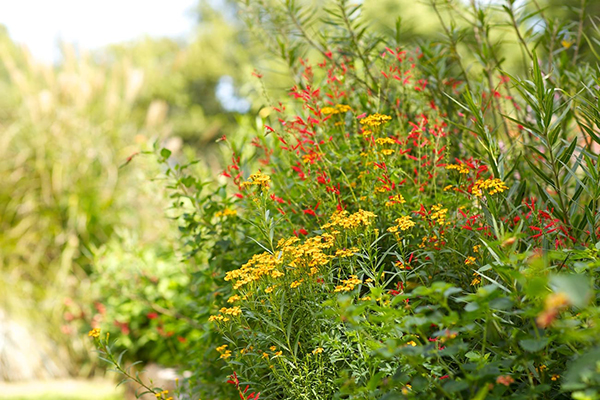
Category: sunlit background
[42,25]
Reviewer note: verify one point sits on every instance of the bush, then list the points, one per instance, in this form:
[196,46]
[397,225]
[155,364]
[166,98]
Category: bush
[405,226]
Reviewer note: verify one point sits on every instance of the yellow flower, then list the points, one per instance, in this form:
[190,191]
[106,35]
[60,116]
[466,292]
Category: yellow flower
[396,199]
[492,186]
[555,377]
[375,120]
[470,260]
[318,350]
[438,214]
[225,213]
[219,317]
[233,298]
[257,179]
[411,343]
[295,284]
[348,284]
[338,109]
[235,311]
[225,353]
[461,168]
[384,141]
[350,221]
[346,252]
[476,280]
[402,224]
[95,333]
[222,349]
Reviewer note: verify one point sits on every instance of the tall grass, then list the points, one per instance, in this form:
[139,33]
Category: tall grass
[64,132]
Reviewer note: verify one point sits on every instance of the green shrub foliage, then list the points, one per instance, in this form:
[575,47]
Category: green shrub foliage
[415,220]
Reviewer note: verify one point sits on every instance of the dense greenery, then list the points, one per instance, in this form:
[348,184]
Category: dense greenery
[414,220]
[415,217]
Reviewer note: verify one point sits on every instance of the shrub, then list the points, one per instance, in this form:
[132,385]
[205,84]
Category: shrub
[407,227]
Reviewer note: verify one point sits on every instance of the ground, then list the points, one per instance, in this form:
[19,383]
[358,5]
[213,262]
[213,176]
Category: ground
[62,390]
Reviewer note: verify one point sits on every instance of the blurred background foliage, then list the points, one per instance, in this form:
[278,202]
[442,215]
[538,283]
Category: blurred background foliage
[80,231]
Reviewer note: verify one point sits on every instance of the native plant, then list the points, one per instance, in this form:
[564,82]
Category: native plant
[414,221]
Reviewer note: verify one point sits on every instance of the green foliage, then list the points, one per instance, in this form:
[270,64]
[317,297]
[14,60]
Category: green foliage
[477,279]
[415,220]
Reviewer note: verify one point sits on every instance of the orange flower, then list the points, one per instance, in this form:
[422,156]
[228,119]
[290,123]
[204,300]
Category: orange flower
[505,380]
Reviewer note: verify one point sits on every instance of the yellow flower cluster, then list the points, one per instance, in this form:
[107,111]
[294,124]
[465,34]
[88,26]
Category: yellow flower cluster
[450,187]
[470,261]
[384,141]
[461,168]
[318,350]
[348,284]
[308,255]
[218,317]
[438,214]
[225,353]
[375,120]
[346,252]
[270,289]
[163,394]
[295,284]
[338,109]
[95,333]
[233,311]
[492,186]
[226,213]
[259,265]
[402,224]
[233,298]
[400,265]
[396,199]
[348,221]
[476,280]
[257,179]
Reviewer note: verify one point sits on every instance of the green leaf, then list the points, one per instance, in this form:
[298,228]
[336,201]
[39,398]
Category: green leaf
[533,345]
[455,386]
[165,153]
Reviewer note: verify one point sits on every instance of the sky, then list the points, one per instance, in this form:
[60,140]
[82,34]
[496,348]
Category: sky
[90,24]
